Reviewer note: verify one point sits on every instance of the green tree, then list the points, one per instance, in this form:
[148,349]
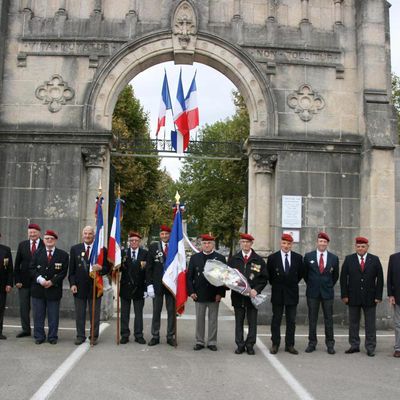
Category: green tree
[215,191]
[396,98]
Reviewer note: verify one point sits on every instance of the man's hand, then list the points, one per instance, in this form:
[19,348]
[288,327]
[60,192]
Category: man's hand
[377,301]
[48,284]
[345,300]
[253,293]
[97,268]
[74,289]
[18,285]
[218,298]
[194,296]
[150,291]
[392,300]
[8,289]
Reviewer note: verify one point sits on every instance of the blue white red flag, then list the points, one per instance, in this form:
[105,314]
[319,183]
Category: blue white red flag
[192,108]
[114,241]
[180,119]
[174,277]
[97,253]
[165,104]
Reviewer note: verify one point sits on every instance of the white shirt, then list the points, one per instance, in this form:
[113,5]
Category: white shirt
[86,247]
[324,256]
[364,258]
[283,256]
[246,255]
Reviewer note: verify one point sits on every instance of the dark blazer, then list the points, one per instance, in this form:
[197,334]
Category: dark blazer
[285,287]
[155,267]
[255,272]
[197,282]
[133,275]
[55,270]
[393,277]
[78,273]
[320,285]
[6,267]
[22,262]
[362,288]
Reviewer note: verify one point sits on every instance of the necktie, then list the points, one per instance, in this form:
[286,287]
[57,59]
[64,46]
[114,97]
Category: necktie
[133,255]
[166,249]
[49,255]
[321,264]
[362,263]
[287,266]
[33,249]
[87,251]
[246,258]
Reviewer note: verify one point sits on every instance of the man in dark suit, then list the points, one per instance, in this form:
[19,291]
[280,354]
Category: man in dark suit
[393,289]
[6,281]
[321,272]
[156,258]
[48,269]
[285,270]
[133,287]
[22,276]
[205,295]
[81,284]
[361,282]
[253,267]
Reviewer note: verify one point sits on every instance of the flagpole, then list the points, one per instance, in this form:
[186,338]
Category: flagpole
[117,278]
[177,198]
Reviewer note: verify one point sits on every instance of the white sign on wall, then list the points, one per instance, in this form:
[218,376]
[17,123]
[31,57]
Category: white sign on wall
[291,211]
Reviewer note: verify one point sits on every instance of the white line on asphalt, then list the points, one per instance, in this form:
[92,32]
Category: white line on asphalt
[59,328]
[336,335]
[58,375]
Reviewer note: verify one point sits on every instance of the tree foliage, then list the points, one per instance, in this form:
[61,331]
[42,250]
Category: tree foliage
[396,98]
[215,191]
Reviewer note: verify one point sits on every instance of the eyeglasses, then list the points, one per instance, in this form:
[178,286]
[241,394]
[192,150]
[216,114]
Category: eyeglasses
[133,240]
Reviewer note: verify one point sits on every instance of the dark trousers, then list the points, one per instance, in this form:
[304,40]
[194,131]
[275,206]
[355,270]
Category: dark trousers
[3,298]
[138,320]
[24,295]
[313,310]
[80,316]
[277,313]
[39,308]
[354,326]
[240,314]
[156,320]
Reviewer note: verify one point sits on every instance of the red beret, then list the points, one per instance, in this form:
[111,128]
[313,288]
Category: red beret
[49,232]
[323,235]
[165,228]
[361,240]
[246,236]
[34,226]
[205,237]
[287,237]
[134,234]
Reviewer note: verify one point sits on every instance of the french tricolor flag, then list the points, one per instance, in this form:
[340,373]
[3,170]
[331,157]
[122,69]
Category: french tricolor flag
[174,277]
[114,242]
[180,120]
[165,104]
[192,108]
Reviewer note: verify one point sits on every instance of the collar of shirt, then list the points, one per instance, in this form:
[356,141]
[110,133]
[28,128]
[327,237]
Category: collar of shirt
[36,242]
[283,256]
[248,254]
[52,250]
[87,245]
[364,257]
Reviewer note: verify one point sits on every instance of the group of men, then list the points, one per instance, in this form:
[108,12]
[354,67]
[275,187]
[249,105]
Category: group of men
[40,268]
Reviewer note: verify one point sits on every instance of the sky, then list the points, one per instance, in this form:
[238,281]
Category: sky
[214,89]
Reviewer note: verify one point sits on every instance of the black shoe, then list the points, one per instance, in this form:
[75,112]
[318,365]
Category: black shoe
[39,341]
[198,346]
[274,349]
[310,349]
[212,347]
[53,341]
[140,340]
[23,334]
[331,350]
[79,341]
[124,340]
[291,350]
[154,341]
[370,353]
[171,342]
[250,351]
[240,350]
[352,350]
[2,337]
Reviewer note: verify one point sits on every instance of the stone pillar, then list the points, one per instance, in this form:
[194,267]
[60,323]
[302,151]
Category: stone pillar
[261,168]
[272,10]
[97,7]
[237,22]
[304,11]
[338,12]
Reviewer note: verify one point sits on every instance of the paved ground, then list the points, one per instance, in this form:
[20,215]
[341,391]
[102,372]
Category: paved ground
[134,371]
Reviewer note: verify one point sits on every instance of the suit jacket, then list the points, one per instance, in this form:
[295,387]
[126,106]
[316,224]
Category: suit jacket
[285,287]
[6,267]
[362,288]
[133,275]
[78,273]
[320,285]
[155,267]
[255,271]
[393,277]
[197,282]
[55,270]
[22,262]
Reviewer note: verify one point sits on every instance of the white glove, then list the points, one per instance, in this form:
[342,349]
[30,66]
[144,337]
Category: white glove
[150,291]
[40,280]
[145,295]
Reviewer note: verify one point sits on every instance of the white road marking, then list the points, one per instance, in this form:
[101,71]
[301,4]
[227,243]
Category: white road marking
[58,375]
[46,327]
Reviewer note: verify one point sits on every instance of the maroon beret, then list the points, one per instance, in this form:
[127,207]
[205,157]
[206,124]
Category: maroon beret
[207,238]
[50,232]
[287,237]
[34,226]
[323,235]
[246,236]
[165,228]
[134,234]
[361,240]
